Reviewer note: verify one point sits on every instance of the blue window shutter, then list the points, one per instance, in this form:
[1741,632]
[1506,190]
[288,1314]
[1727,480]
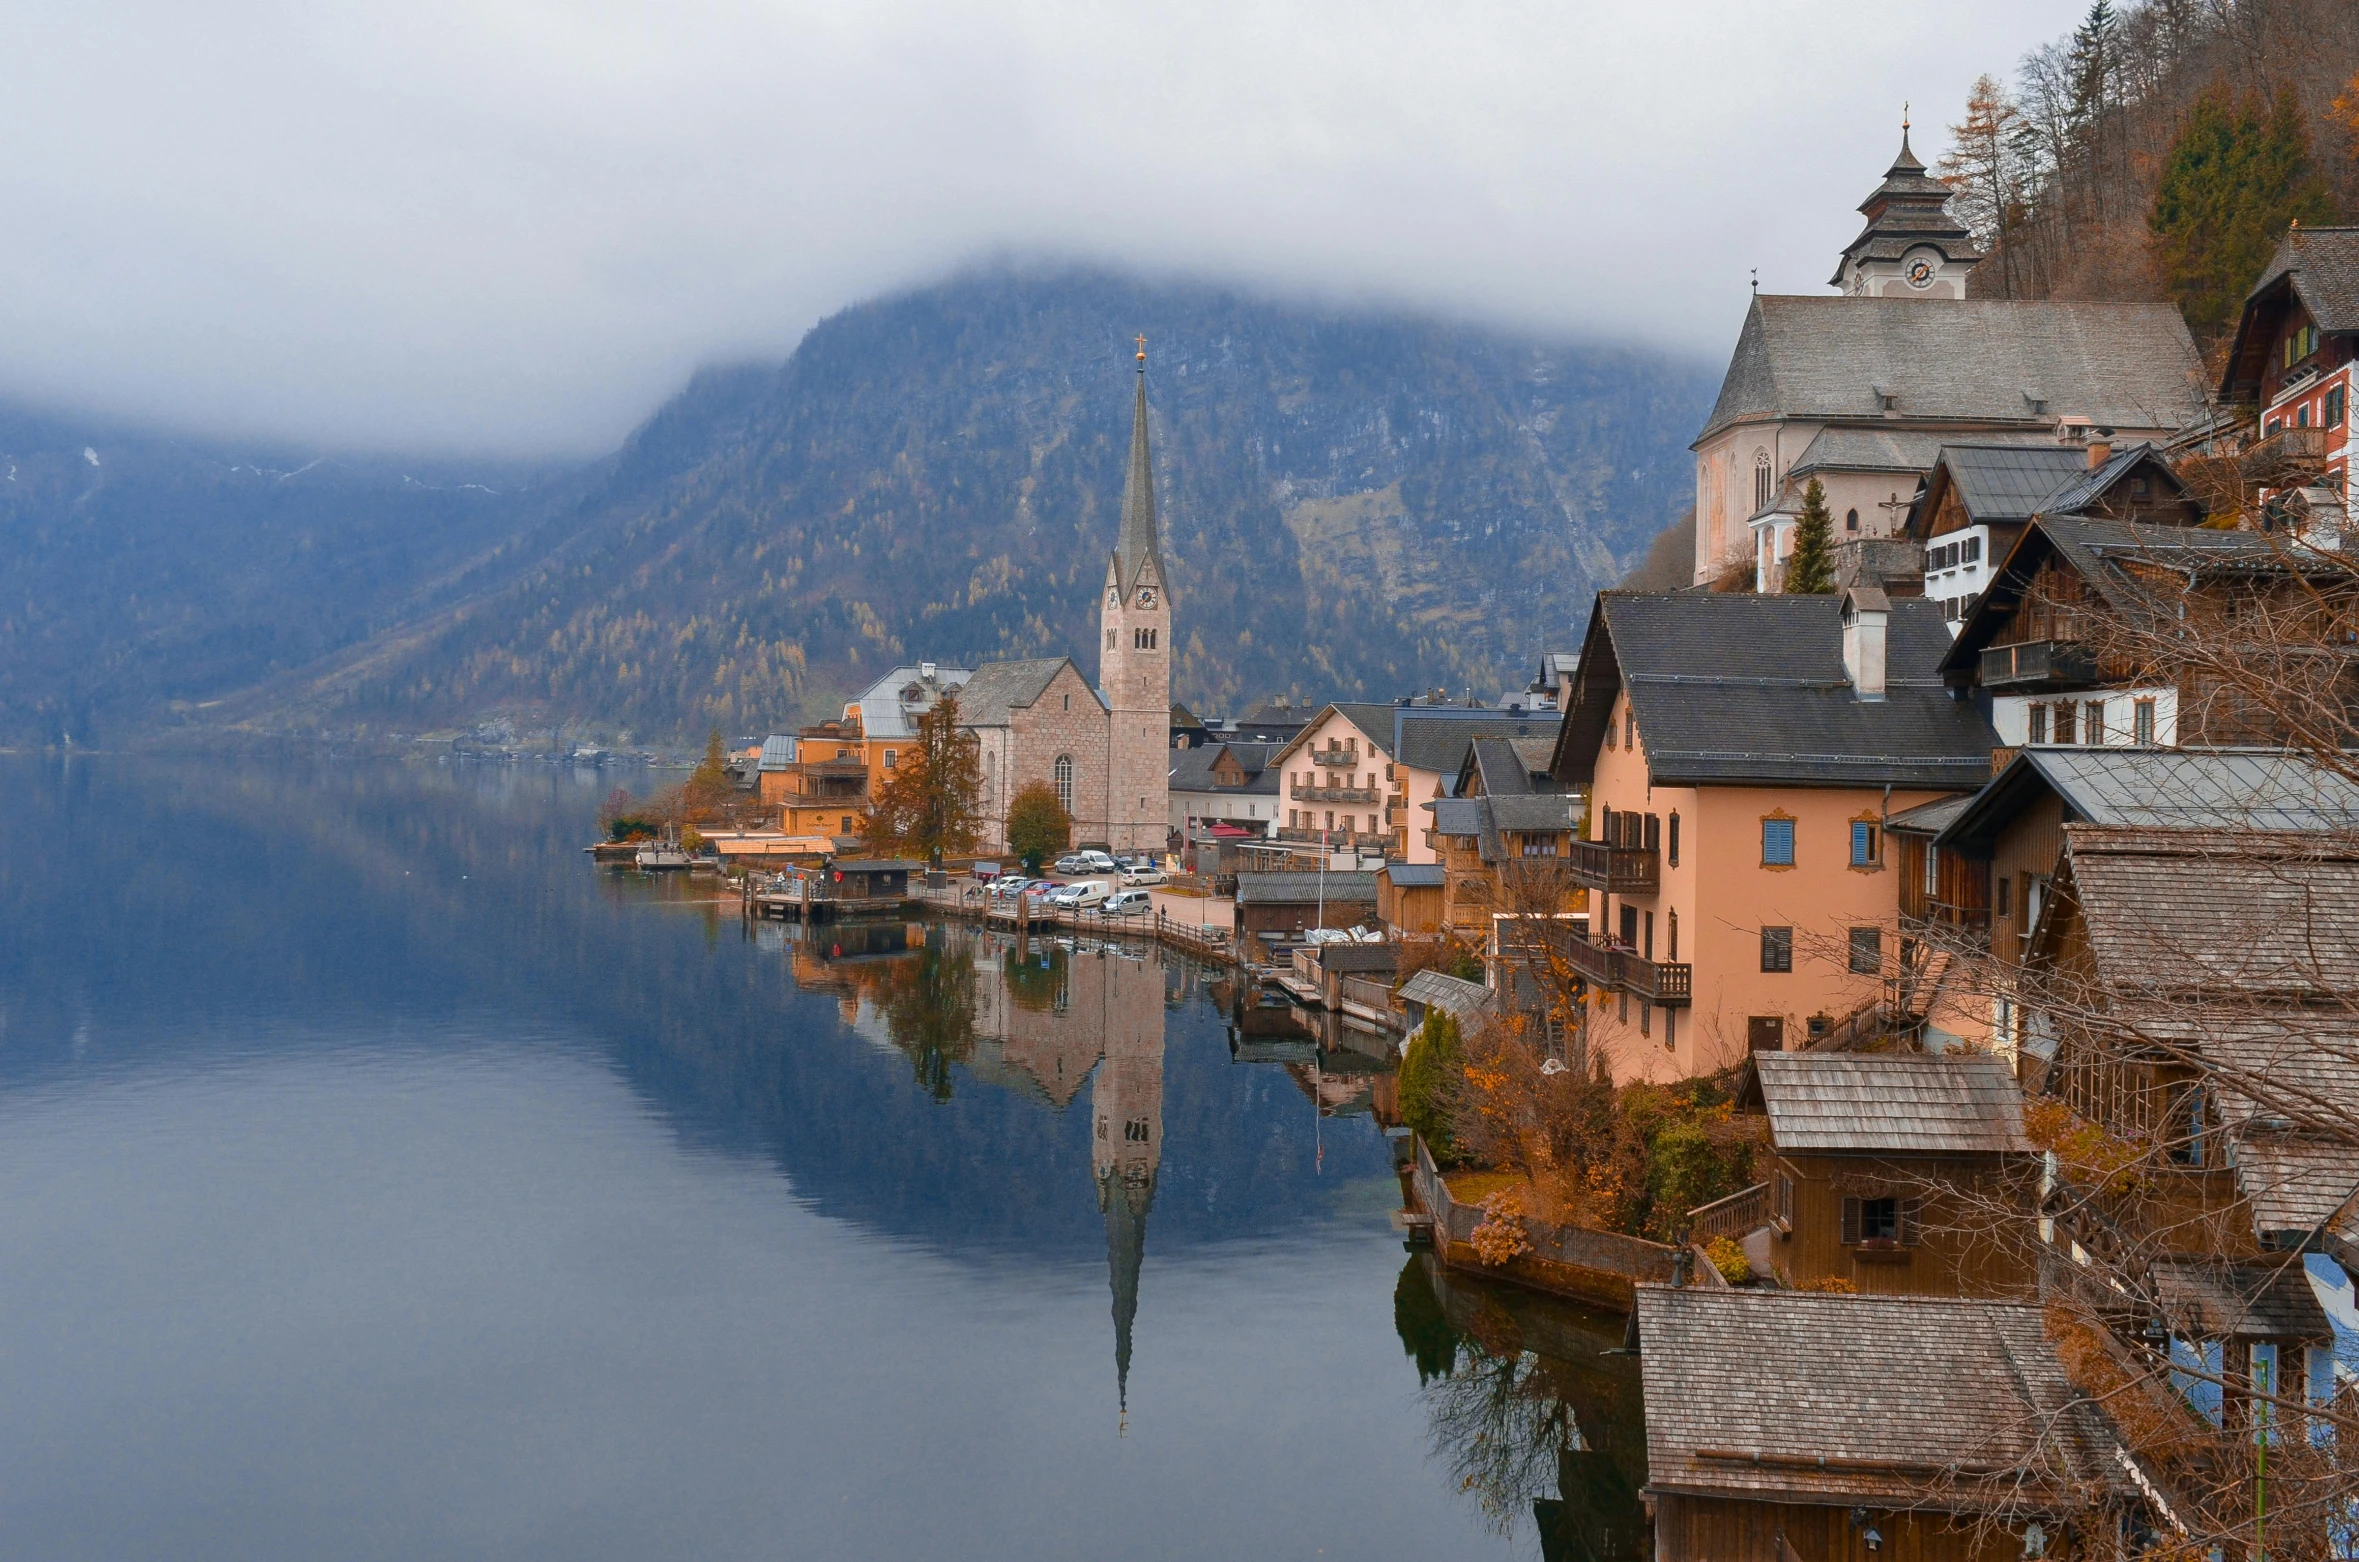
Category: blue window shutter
[1777,842]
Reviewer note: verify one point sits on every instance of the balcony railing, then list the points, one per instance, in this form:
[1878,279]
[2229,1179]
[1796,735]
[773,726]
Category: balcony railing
[1341,756]
[1655,981]
[1333,794]
[2287,448]
[1618,870]
[1733,1216]
[2038,662]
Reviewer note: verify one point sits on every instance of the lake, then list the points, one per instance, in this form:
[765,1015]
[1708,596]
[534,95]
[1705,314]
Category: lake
[378,1178]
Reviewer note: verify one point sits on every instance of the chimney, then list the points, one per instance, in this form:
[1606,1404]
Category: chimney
[1864,613]
[2100,447]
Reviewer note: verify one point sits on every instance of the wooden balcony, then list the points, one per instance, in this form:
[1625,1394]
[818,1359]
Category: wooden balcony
[1733,1216]
[2038,664]
[1671,986]
[2286,455]
[1343,756]
[1333,794]
[1618,870]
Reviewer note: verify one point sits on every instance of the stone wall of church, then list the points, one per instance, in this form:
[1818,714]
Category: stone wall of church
[1066,720]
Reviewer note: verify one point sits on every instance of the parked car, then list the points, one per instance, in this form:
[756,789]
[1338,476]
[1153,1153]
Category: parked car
[1079,897]
[1126,903]
[1041,889]
[1143,876]
[1008,884]
[1097,862]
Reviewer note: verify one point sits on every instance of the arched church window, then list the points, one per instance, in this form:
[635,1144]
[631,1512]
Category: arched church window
[1851,520]
[1065,782]
[1761,480]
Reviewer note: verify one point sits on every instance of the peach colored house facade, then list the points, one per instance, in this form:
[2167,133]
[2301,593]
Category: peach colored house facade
[1741,884]
[1334,776]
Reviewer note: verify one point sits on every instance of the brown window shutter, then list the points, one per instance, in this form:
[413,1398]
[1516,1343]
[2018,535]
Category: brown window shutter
[1654,832]
[1850,1220]
[1908,1222]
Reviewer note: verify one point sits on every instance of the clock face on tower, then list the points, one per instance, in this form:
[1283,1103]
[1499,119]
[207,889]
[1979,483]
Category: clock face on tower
[1146,596]
[1918,272]
[1113,597]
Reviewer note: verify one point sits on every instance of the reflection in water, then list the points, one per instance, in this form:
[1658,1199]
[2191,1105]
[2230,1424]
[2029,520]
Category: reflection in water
[380,1177]
[1040,1015]
[1524,1396]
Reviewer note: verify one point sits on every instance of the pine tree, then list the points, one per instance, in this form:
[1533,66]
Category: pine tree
[2238,175]
[1810,568]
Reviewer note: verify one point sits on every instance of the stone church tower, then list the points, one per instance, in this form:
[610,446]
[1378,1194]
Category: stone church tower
[1134,667]
[1126,1150]
[1911,247]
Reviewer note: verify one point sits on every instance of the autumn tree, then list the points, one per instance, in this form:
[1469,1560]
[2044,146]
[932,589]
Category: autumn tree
[707,788]
[1810,568]
[1987,167]
[931,805]
[1038,826]
[2238,175]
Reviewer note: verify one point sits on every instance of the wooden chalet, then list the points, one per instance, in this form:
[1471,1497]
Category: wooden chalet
[1409,897]
[1287,905]
[1893,1172]
[1791,1427]
[2214,1026]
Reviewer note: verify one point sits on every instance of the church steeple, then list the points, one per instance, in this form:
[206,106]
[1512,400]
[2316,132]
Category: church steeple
[1138,546]
[1911,247]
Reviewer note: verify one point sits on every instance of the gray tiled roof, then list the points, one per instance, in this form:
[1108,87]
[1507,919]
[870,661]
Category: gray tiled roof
[2164,789]
[778,753]
[1999,484]
[1890,1102]
[883,711]
[1874,1399]
[2324,263]
[1450,994]
[1931,818]
[2263,916]
[998,687]
[1457,815]
[2298,1183]
[1278,889]
[1866,450]
[2128,366]
[1414,875]
[1191,769]
[1435,737]
[2089,484]
[1736,689]
[2213,1299]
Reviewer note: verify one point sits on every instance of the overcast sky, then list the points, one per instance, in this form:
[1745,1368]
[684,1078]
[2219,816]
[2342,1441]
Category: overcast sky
[515,225]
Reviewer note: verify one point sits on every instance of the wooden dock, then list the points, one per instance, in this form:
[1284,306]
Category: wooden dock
[1209,944]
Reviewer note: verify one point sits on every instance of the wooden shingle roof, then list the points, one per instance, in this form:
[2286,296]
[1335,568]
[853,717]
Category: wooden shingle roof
[1900,1103]
[1886,1400]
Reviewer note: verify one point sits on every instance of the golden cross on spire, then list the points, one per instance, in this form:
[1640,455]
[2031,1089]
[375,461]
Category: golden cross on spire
[1142,349]
[1904,114]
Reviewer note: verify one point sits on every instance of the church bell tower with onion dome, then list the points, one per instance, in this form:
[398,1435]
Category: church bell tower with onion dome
[1134,661]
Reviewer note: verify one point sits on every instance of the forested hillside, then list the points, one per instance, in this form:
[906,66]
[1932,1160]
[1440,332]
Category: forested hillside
[2160,150]
[1354,505]
[144,577]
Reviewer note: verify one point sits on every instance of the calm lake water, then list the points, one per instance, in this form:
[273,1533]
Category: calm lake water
[380,1179]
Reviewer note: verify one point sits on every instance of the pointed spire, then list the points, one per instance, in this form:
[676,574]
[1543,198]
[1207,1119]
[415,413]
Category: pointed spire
[1138,542]
[1125,1205]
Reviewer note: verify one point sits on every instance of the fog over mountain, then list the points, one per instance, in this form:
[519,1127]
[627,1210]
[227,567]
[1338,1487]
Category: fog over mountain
[1356,503]
[513,226]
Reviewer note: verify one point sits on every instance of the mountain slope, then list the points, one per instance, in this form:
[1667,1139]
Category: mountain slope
[144,577]
[1353,505]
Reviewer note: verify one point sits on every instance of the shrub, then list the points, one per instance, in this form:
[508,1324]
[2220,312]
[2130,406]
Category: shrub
[1037,824]
[1427,1074]
[1728,1256]
[1829,1285]
[1501,1236]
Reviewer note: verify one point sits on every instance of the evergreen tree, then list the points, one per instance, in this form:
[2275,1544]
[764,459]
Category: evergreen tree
[707,787]
[932,803]
[1810,568]
[2239,174]
[1428,1074]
